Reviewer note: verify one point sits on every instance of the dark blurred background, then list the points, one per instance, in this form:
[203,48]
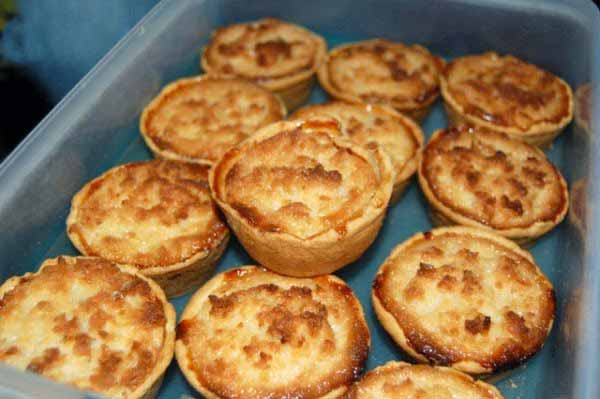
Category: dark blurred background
[46,47]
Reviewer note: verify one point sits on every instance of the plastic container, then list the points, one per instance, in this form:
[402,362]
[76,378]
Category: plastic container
[95,128]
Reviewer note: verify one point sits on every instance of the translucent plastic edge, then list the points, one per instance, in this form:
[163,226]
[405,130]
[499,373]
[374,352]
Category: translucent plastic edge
[587,373]
[70,104]
[17,384]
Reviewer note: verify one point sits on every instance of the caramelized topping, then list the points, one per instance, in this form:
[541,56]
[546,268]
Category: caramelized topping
[402,380]
[263,51]
[89,327]
[491,179]
[301,182]
[380,71]
[469,303]
[372,125]
[508,92]
[201,118]
[148,214]
[264,335]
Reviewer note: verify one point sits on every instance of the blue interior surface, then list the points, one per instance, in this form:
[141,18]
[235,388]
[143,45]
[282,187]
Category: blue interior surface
[441,27]
[404,219]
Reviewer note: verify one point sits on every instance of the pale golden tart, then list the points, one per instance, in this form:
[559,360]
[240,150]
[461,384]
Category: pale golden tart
[465,298]
[397,134]
[302,199]
[508,95]
[403,380]
[278,55]
[155,215]
[198,119]
[89,323]
[489,180]
[380,71]
[253,334]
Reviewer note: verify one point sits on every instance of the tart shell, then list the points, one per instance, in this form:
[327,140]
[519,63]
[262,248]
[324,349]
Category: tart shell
[443,214]
[152,382]
[324,252]
[293,89]
[172,92]
[422,344]
[279,336]
[417,111]
[540,134]
[176,278]
[395,378]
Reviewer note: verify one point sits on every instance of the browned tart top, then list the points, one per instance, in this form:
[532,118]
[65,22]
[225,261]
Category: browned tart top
[200,118]
[264,51]
[251,333]
[381,71]
[85,322]
[402,380]
[300,179]
[508,92]
[462,295]
[494,180]
[148,214]
[399,136]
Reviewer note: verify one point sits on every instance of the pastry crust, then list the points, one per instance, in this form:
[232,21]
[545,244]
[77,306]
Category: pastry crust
[89,323]
[379,71]
[301,200]
[397,134]
[465,298]
[198,119]
[403,380]
[486,179]
[252,333]
[508,95]
[156,215]
[280,56]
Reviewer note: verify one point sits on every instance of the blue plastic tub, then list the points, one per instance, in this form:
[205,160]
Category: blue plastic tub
[96,127]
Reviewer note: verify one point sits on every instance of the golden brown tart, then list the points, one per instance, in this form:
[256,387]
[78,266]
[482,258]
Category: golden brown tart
[89,323]
[486,179]
[156,215]
[465,298]
[403,380]
[379,71]
[280,56]
[508,95]
[198,119]
[397,134]
[302,199]
[250,333]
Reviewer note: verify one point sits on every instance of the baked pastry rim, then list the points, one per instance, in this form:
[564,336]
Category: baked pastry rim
[276,84]
[153,381]
[398,364]
[325,236]
[391,325]
[538,129]
[534,230]
[190,310]
[174,86]
[151,271]
[324,79]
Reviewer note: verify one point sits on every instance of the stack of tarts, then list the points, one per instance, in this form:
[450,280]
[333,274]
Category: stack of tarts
[306,197]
